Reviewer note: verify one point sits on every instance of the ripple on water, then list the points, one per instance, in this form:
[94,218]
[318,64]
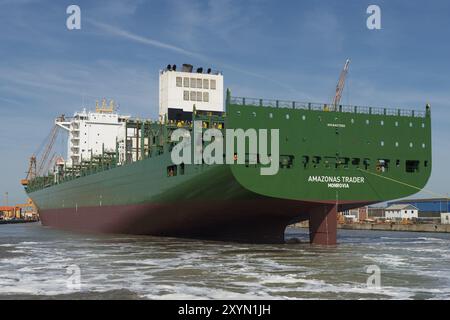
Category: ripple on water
[412,266]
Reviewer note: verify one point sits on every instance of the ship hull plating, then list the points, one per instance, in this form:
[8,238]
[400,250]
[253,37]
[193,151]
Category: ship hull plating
[254,221]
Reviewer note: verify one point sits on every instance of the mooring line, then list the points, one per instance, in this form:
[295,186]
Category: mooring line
[406,184]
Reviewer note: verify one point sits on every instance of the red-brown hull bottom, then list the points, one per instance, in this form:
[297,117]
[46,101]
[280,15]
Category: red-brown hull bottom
[251,221]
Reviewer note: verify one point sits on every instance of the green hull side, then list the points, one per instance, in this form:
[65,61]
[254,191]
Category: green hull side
[305,134]
[143,182]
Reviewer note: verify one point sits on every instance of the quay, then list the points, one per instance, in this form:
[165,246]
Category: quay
[417,227]
[14,221]
[426,227]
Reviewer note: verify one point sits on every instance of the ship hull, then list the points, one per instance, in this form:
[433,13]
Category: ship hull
[262,220]
[329,162]
[206,203]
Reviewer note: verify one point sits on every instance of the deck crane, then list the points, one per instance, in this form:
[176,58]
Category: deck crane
[44,161]
[340,85]
[37,167]
[31,173]
[49,146]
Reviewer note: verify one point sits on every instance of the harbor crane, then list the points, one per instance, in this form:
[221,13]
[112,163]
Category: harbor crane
[340,85]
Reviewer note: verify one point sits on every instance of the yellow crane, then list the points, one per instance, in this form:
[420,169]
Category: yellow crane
[27,208]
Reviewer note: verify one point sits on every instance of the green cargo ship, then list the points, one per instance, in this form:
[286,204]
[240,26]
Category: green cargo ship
[331,159]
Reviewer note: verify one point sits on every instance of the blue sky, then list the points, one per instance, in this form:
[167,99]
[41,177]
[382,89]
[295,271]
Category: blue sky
[291,50]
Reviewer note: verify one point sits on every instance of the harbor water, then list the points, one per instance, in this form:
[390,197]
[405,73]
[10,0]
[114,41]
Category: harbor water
[39,263]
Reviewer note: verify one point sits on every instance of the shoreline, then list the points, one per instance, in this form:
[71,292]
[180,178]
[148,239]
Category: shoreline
[16,221]
[431,227]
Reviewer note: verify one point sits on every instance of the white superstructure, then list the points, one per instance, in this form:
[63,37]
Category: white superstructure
[184,89]
[92,132]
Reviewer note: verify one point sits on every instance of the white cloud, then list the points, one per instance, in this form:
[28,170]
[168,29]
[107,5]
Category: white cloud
[115,31]
[119,32]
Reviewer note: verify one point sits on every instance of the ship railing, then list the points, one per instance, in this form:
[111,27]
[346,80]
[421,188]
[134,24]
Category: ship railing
[326,107]
[365,110]
[392,112]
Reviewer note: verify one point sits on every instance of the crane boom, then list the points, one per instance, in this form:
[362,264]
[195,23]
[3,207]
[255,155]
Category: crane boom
[31,173]
[48,148]
[340,85]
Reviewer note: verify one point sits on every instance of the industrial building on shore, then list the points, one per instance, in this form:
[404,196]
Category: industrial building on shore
[429,210]
[428,207]
[25,211]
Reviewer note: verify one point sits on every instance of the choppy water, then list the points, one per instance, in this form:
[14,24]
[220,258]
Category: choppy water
[34,263]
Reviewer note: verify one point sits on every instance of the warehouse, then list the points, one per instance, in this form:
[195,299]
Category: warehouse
[428,207]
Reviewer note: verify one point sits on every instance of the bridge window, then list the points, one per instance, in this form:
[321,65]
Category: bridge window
[425,163]
[412,165]
[356,161]
[397,163]
[193,83]
[179,81]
